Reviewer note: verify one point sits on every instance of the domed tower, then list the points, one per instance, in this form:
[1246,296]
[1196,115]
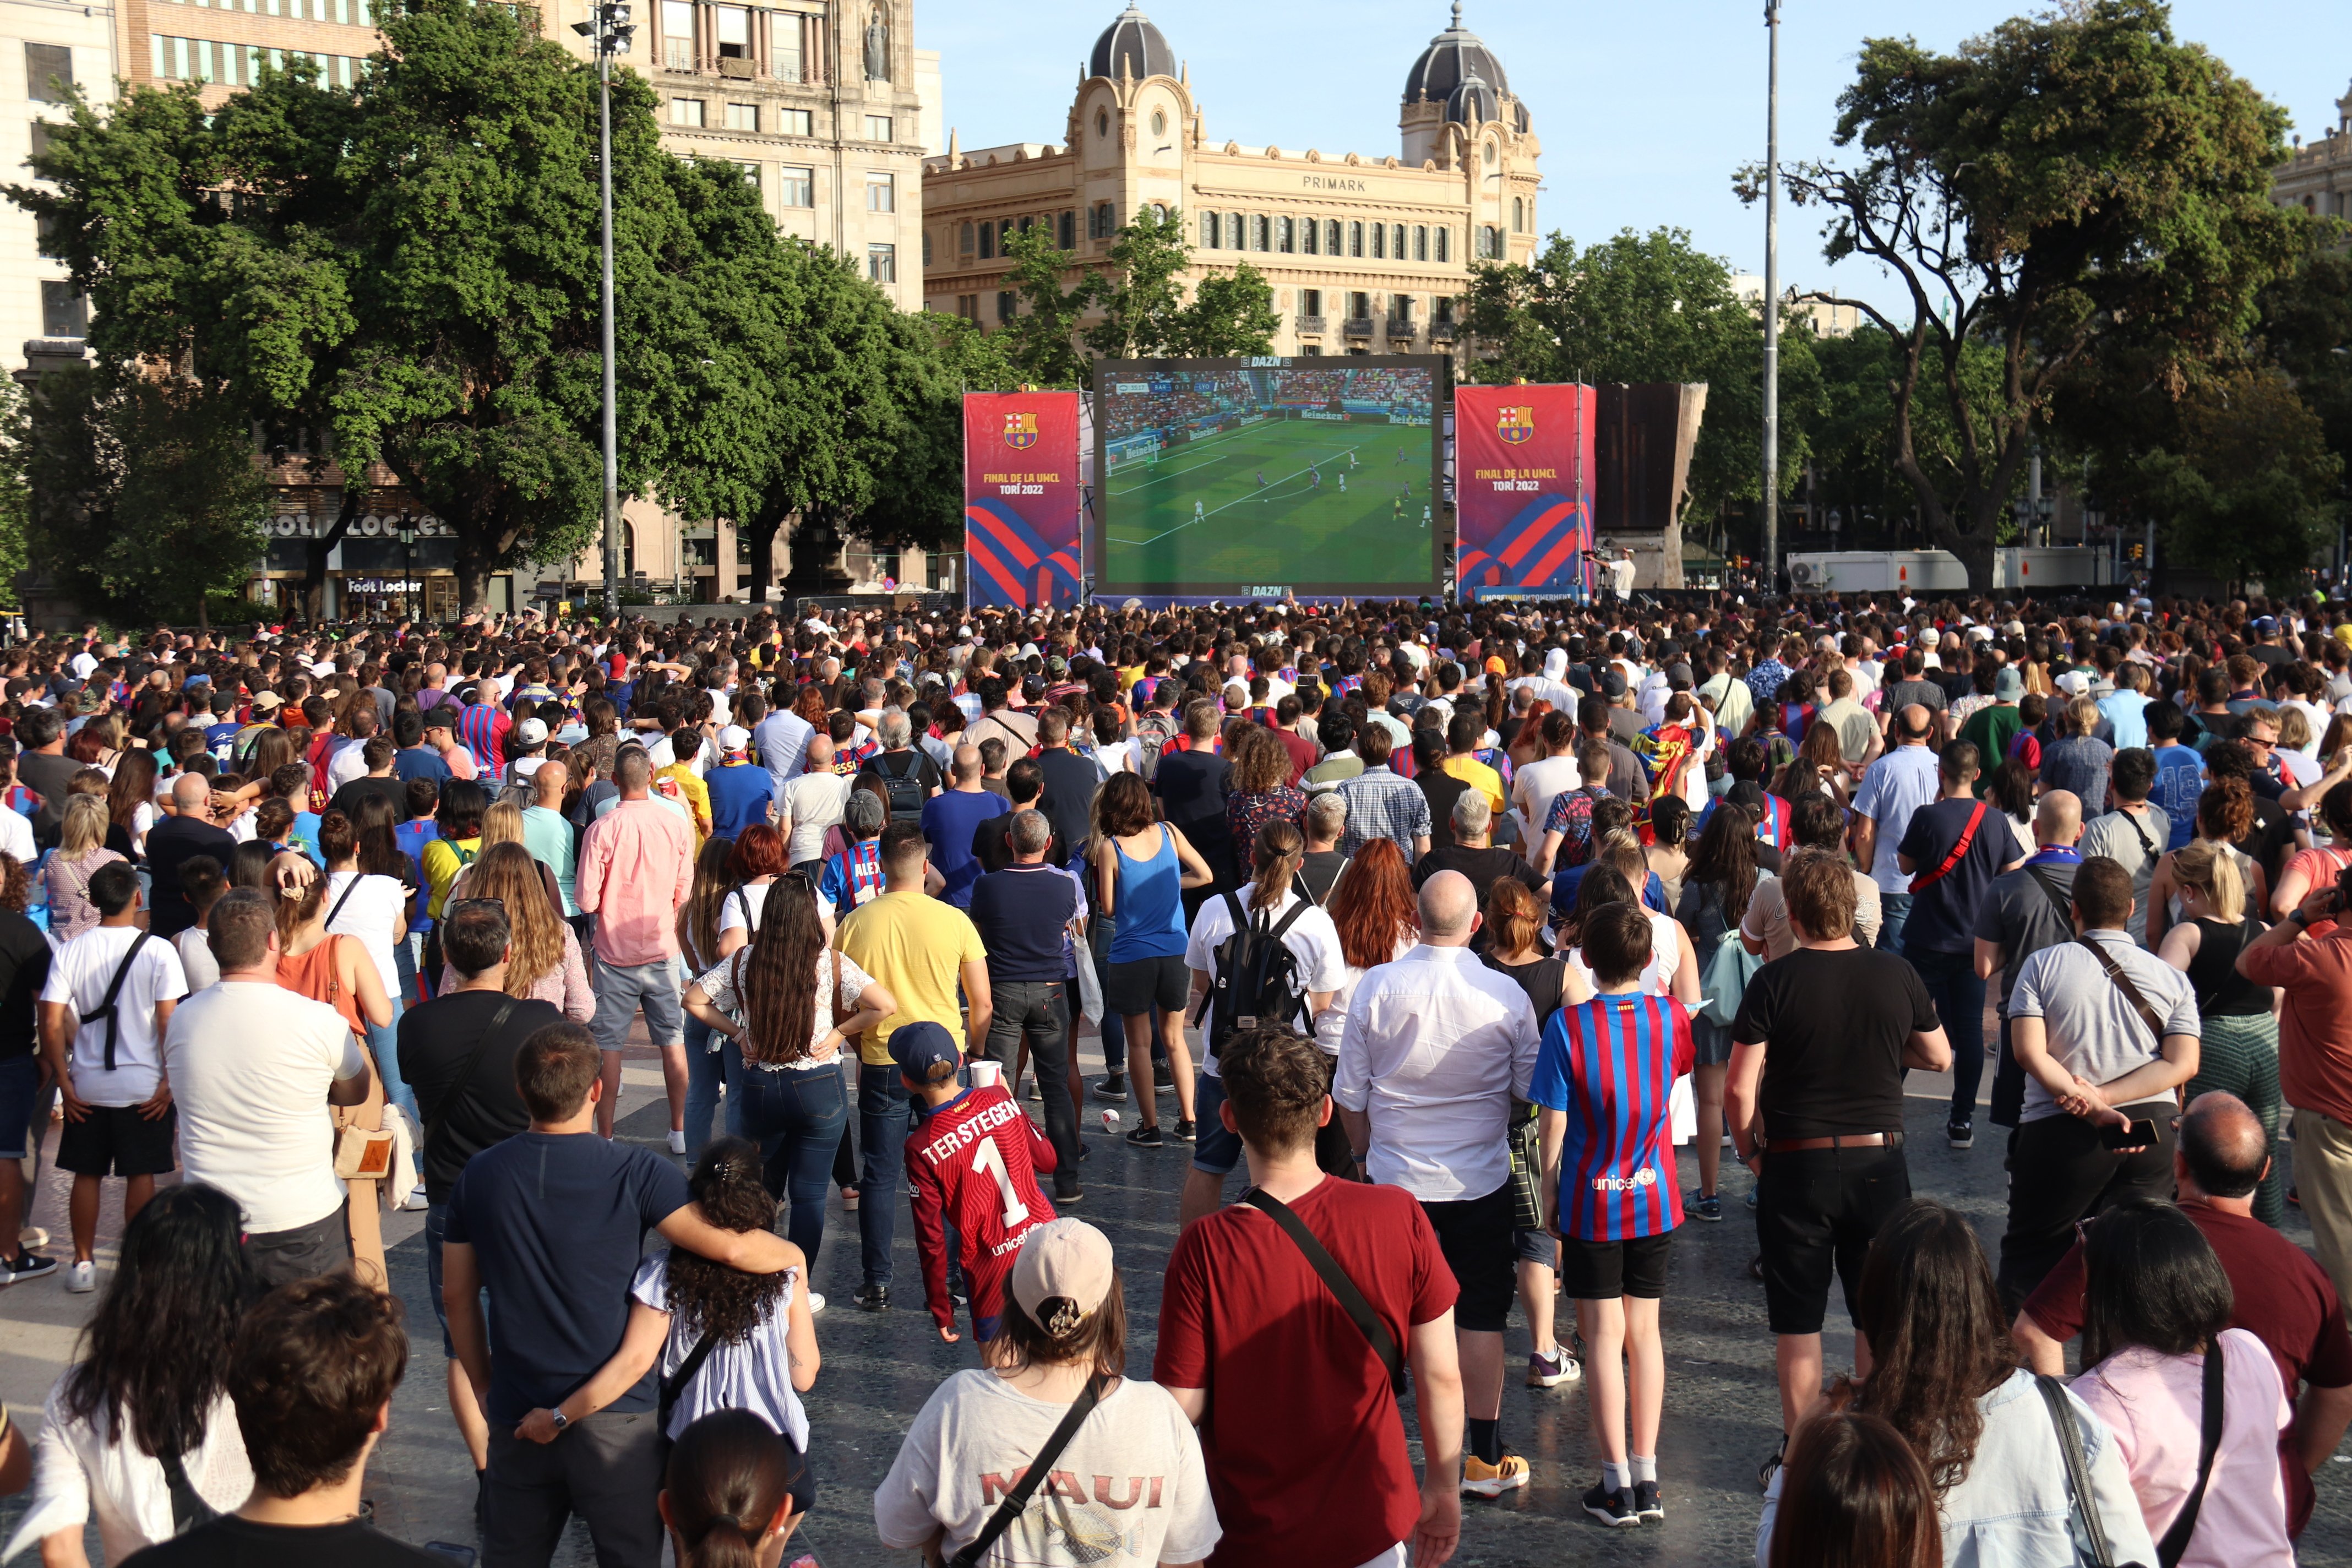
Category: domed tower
[1457,81]
[1132,47]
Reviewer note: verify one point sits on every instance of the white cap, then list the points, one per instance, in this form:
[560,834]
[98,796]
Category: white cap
[734,738]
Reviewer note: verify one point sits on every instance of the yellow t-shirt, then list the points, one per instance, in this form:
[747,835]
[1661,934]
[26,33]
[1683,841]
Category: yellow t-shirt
[689,792]
[442,861]
[1478,776]
[916,948]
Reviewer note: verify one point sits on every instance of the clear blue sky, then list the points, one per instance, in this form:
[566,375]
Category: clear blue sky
[1644,109]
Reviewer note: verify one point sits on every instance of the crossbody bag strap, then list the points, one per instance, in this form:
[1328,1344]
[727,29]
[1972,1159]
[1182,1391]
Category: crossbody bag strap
[344,899]
[105,1009]
[188,1507]
[2078,1470]
[2132,993]
[1033,1477]
[675,1384]
[1334,1279]
[2175,1544]
[1959,849]
[464,1081]
[2060,902]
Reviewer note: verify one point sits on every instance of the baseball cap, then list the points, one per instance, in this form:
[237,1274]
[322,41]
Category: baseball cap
[2007,686]
[1678,677]
[530,733]
[1929,636]
[2265,625]
[265,701]
[2073,683]
[1062,1273]
[1056,665]
[734,738]
[920,1046]
[439,717]
[1612,685]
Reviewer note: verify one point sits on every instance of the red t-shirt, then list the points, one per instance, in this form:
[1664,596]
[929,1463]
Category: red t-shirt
[1301,750]
[974,1162]
[1305,1445]
[2283,1298]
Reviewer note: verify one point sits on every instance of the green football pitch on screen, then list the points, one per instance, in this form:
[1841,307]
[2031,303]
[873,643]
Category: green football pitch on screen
[1272,503]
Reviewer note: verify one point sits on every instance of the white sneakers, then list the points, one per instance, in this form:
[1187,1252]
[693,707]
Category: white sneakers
[816,1302]
[82,1278]
[678,1140]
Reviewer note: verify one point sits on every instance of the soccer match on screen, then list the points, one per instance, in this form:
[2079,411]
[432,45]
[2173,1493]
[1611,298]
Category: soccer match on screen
[1251,478]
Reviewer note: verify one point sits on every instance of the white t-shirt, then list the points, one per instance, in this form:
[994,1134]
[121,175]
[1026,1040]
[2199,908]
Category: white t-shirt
[346,762]
[975,1432]
[196,963]
[813,802]
[369,912]
[250,1067]
[740,910]
[17,838]
[1537,785]
[1665,955]
[78,977]
[1313,942]
[755,1374]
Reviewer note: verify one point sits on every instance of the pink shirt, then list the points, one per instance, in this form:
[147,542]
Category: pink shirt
[2153,1403]
[637,867]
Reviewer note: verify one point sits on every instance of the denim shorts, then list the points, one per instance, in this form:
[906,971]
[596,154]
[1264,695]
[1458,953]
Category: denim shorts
[20,1085]
[1218,1151]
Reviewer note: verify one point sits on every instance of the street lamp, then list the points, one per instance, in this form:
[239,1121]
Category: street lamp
[609,28]
[1771,295]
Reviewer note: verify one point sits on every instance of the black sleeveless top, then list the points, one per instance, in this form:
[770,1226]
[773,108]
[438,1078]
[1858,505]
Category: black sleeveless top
[2222,991]
[1543,979]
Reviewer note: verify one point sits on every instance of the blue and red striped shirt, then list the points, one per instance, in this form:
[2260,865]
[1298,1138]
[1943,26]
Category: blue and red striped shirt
[1610,1064]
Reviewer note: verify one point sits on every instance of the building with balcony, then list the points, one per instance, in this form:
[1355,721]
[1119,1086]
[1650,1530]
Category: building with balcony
[2318,176]
[1365,254]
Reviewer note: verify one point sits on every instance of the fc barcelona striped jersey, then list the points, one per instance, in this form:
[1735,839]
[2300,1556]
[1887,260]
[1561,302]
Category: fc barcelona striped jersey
[1610,1064]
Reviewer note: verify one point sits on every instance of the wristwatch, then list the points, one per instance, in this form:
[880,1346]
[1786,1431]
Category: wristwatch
[558,1419]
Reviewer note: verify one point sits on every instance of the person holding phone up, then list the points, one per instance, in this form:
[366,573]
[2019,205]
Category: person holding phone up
[2106,1032]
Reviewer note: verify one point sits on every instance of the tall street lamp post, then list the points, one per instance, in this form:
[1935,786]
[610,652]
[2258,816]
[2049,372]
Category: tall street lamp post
[609,27]
[1771,295]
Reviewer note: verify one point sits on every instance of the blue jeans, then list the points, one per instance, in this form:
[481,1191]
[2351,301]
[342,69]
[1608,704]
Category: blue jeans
[886,1115]
[1959,997]
[796,1118]
[704,1071]
[383,1045]
[1894,913]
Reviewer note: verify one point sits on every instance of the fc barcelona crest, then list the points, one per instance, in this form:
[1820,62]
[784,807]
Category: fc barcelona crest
[1020,431]
[1516,425]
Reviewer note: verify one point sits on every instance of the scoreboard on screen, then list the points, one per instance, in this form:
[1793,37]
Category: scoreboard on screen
[1523,461]
[1021,498]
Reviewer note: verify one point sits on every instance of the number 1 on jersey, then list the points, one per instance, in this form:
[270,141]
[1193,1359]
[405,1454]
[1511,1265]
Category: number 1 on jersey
[988,1157]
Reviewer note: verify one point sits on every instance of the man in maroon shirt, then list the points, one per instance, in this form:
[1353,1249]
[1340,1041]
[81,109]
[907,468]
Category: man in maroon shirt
[1299,1419]
[2313,969]
[2283,1298]
[1286,729]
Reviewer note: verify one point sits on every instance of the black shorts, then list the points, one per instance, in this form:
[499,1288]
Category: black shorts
[116,1141]
[1475,1234]
[1817,1210]
[1135,987]
[1604,1270]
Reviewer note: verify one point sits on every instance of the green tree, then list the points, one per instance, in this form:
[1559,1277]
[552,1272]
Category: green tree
[141,495]
[1650,308]
[1042,338]
[1144,312]
[411,270]
[2067,182]
[2250,489]
[1852,432]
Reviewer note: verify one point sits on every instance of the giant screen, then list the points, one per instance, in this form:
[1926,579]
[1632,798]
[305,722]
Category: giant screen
[1253,477]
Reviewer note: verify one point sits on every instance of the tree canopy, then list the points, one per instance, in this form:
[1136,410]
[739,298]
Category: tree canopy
[2070,185]
[1648,308]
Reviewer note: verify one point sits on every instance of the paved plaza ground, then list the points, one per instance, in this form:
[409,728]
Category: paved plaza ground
[1722,1413]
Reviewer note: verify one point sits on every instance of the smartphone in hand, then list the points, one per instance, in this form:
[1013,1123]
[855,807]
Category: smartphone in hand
[2140,1134]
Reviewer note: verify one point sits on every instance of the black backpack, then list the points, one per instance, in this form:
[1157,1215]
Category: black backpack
[905,788]
[1256,977]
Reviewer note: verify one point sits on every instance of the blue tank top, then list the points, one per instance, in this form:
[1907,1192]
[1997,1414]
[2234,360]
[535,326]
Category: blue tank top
[1149,904]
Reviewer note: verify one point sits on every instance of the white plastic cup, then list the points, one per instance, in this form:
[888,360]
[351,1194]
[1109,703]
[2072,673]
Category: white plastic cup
[987,1075]
[1110,1120]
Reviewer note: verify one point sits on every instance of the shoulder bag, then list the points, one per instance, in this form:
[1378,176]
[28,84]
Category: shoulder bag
[1033,1477]
[2089,1531]
[2123,982]
[105,1009]
[463,1084]
[2175,1544]
[1960,851]
[189,1509]
[1335,1280]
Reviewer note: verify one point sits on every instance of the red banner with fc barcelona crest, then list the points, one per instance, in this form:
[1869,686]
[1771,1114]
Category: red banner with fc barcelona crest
[1522,488]
[1021,498]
